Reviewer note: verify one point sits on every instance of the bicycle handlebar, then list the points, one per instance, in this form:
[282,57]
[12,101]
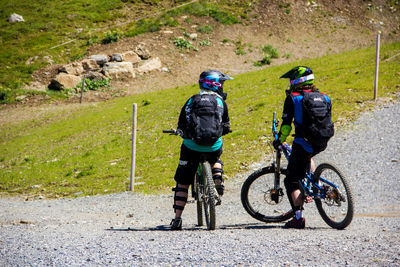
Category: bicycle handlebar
[170,131]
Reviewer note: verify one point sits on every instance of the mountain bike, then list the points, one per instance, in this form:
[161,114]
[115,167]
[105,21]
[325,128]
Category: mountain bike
[203,191]
[263,197]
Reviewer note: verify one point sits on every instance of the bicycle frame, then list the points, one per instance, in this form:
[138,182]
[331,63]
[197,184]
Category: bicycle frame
[310,187]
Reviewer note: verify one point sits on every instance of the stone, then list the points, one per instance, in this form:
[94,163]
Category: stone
[95,76]
[116,57]
[100,59]
[131,56]
[142,52]
[89,64]
[74,68]
[64,81]
[119,70]
[15,18]
[149,65]
[37,86]
[193,36]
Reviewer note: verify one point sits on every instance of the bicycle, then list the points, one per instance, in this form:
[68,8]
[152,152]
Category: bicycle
[203,191]
[262,196]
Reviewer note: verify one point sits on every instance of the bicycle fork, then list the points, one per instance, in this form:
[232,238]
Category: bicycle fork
[277,191]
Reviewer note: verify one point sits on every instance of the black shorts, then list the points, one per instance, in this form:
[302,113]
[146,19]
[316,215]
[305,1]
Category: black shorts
[297,167]
[189,161]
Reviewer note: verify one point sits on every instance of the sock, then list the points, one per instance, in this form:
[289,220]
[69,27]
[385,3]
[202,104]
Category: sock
[299,214]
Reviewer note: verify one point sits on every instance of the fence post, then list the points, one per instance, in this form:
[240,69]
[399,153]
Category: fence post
[82,89]
[378,44]
[133,151]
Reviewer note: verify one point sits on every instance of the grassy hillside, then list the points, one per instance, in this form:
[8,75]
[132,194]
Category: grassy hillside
[86,151]
[50,25]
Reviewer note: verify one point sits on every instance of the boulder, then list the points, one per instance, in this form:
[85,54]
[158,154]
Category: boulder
[100,59]
[142,52]
[119,70]
[15,18]
[149,65]
[74,68]
[116,57]
[89,64]
[64,81]
[131,57]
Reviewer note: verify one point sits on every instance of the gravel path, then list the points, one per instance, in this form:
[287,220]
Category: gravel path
[131,229]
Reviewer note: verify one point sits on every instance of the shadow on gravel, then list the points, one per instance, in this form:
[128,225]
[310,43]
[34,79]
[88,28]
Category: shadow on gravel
[247,226]
[156,228]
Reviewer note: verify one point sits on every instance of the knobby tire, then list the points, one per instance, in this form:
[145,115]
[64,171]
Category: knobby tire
[208,196]
[255,197]
[337,215]
[199,201]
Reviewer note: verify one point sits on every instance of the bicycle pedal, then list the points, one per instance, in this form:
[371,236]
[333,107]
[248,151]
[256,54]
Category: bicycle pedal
[308,199]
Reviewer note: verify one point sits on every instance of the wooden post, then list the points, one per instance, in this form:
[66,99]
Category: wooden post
[133,151]
[378,44]
[82,89]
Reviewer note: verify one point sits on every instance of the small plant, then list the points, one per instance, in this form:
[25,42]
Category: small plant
[182,43]
[146,102]
[94,85]
[205,42]
[225,41]
[286,7]
[205,29]
[266,60]
[271,51]
[92,40]
[240,48]
[111,37]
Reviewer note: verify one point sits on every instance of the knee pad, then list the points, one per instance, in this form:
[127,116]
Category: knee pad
[217,173]
[179,198]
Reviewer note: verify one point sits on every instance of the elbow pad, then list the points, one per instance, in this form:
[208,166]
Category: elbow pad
[285,131]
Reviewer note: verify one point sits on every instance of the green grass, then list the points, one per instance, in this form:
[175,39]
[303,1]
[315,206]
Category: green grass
[64,30]
[86,150]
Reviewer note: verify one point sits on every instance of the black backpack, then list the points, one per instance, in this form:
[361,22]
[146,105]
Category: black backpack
[205,121]
[317,127]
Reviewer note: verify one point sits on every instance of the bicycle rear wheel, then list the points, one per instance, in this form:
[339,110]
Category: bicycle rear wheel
[208,195]
[199,201]
[261,201]
[337,208]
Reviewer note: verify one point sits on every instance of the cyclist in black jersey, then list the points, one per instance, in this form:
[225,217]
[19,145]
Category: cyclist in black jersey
[301,81]
[211,83]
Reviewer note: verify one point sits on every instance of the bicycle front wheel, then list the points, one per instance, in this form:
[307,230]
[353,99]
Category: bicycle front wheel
[337,207]
[208,195]
[261,200]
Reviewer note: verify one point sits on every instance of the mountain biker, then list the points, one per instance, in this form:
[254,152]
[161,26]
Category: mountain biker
[301,81]
[211,89]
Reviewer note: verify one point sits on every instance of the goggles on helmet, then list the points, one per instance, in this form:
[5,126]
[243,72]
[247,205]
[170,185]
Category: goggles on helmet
[210,82]
[302,79]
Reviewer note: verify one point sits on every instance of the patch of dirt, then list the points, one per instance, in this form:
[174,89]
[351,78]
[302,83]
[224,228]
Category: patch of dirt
[299,30]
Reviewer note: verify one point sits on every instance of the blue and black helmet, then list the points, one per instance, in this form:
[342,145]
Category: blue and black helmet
[213,80]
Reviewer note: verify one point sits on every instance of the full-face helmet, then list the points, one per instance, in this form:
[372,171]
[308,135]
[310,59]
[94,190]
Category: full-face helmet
[214,80]
[299,76]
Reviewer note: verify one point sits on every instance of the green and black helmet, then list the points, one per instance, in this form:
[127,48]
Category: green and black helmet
[299,76]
